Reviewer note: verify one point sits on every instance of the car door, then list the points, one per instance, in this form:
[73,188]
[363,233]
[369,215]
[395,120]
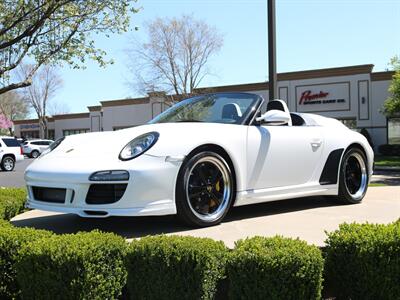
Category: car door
[43,145]
[280,156]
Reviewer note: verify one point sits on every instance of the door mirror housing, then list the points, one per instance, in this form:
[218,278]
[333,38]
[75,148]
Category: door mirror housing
[274,117]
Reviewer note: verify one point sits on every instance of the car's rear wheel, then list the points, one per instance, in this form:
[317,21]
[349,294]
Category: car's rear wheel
[353,180]
[205,189]
[7,163]
[35,154]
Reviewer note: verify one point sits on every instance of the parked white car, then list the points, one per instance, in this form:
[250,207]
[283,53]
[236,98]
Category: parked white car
[33,148]
[10,152]
[199,158]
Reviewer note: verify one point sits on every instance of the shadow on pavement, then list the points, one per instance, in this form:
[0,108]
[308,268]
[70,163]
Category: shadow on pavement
[133,227]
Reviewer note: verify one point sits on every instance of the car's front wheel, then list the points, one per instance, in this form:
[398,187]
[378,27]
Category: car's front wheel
[7,163]
[205,189]
[353,180]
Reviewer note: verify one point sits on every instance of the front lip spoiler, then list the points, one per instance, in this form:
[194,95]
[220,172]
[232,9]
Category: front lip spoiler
[158,208]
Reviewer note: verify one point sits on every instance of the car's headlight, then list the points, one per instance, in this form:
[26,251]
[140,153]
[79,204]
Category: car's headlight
[53,146]
[139,145]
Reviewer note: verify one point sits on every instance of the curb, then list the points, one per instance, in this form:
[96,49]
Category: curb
[387,169]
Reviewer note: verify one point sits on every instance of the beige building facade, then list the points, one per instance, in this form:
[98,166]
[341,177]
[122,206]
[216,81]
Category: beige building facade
[353,94]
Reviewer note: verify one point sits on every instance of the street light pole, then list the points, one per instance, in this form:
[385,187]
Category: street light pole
[273,85]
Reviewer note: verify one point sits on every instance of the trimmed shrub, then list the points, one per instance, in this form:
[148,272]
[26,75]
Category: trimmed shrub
[363,261]
[12,202]
[73,266]
[11,240]
[387,149]
[275,268]
[174,267]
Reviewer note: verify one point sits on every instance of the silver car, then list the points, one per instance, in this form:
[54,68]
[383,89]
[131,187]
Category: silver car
[33,148]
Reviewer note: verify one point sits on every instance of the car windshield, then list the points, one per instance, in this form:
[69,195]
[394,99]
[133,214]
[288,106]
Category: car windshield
[227,108]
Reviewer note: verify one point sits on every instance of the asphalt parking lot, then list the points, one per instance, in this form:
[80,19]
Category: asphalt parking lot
[16,177]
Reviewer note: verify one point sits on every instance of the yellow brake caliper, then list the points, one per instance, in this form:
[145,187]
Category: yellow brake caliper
[212,201]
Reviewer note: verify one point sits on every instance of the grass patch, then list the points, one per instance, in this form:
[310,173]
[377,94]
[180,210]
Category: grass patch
[377,184]
[387,161]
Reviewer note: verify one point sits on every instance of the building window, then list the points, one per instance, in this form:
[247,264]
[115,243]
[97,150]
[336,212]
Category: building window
[32,134]
[350,123]
[74,131]
[394,131]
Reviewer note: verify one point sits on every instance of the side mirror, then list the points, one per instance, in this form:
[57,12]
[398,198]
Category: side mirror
[274,117]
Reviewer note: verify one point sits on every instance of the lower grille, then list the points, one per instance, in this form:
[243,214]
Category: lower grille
[105,193]
[53,195]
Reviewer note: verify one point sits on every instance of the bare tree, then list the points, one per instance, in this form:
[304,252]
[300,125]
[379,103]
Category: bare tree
[57,108]
[45,83]
[175,57]
[13,107]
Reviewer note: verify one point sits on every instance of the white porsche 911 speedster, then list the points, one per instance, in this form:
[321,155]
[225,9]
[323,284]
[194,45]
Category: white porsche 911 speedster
[199,158]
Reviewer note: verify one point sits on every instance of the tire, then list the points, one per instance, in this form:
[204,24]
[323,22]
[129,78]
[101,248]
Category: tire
[35,154]
[353,178]
[7,163]
[204,189]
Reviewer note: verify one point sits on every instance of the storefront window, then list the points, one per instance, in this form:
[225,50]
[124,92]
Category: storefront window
[32,134]
[394,131]
[74,131]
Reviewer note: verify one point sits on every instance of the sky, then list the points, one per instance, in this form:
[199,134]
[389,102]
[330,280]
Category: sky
[311,34]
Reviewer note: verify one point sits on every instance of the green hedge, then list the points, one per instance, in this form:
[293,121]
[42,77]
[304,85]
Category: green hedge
[11,240]
[173,267]
[363,261]
[73,266]
[275,268]
[12,202]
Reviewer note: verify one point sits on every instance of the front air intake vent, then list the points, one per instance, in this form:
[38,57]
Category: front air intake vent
[52,195]
[105,193]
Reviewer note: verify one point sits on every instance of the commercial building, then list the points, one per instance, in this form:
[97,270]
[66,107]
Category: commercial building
[353,95]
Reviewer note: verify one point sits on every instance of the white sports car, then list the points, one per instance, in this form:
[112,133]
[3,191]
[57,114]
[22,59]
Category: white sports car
[199,158]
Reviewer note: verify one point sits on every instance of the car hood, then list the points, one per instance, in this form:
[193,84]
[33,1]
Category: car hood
[110,143]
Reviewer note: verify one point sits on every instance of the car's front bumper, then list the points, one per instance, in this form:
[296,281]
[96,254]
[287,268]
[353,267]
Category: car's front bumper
[150,189]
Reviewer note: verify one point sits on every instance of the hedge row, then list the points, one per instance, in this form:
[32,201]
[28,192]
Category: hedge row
[361,262]
[12,202]
[275,268]
[36,264]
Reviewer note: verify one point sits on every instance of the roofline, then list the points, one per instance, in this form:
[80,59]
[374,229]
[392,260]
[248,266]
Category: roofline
[380,76]
[31,121]
[298,75]
[122,102]
[22,122]
[94,108]
[71,116]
